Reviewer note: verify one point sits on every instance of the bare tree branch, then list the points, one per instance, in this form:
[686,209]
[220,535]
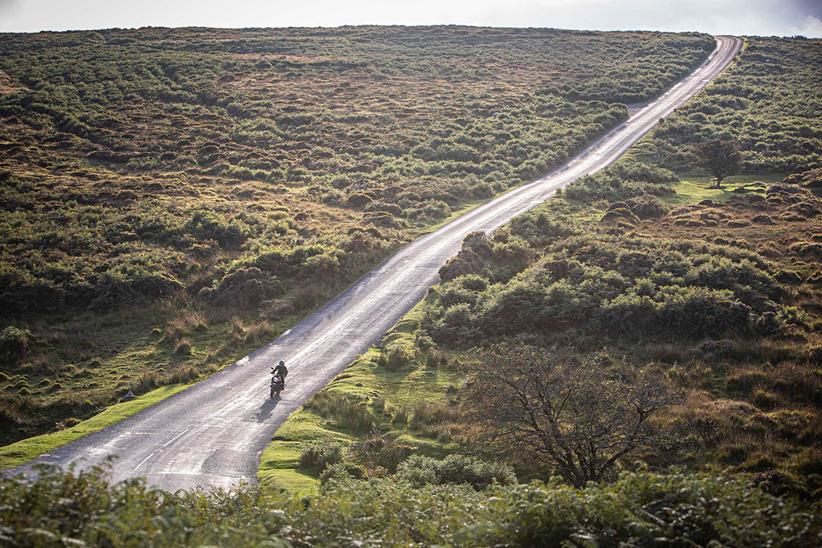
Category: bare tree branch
[581,417]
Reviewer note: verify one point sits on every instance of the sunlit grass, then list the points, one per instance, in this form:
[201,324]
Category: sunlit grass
[28,449]
[384,393]
[694,189]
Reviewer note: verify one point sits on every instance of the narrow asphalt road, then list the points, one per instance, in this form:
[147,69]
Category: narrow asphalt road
[213,433]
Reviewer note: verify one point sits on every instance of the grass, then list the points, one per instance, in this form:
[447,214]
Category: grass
[87,361]
[387,396]
[693,189]
[23,451]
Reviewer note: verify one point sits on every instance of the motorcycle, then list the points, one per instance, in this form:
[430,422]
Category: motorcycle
[277,386]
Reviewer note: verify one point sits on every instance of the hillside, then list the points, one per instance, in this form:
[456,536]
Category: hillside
[174,198]
[634,362]
[639,269]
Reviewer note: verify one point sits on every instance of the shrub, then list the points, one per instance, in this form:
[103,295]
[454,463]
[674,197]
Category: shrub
[398,355]
[319,456]
[358,200]
[208,225]
[14,343]
[380,453]
[133,282]
[699,312]
[457,469]
[343,471]
[647,207]
[245,287]
[183,347]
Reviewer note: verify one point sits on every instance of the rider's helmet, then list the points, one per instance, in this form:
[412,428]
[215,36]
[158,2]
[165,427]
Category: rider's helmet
[282,362]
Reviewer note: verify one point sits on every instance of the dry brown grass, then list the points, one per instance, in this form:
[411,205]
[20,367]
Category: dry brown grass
[7,85]
[751,403]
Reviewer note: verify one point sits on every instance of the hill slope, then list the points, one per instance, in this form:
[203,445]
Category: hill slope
[173,198]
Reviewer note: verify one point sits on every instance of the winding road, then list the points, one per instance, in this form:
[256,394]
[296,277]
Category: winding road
[212,434]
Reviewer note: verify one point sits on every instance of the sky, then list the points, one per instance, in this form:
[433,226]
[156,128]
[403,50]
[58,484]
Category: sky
[760,17]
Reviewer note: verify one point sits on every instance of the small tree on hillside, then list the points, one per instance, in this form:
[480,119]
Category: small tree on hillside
[720,158]
[579,416]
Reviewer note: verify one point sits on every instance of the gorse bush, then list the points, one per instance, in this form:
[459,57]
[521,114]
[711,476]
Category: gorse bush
[625,286]
[343,471]
[639,509]
[380,453]
[319,456]
[457,469]
[14,342]
[397,355]
[244,287]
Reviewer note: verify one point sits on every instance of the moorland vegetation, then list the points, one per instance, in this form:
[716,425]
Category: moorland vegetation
[637,510]
[635,271]
[173,197]
[639,276]
[767,102]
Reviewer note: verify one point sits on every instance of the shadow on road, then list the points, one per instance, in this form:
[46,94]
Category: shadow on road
[266,409]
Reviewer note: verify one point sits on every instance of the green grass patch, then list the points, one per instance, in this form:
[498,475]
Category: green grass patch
[372,391]
[694,189]
[25,450]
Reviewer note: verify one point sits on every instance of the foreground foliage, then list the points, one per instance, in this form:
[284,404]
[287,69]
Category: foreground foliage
[639,509]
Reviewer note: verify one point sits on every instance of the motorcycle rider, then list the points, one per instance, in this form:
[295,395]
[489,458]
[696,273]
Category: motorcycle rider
[281,371]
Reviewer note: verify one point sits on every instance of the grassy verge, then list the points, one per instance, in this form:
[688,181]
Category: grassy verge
[385,392]
[693,189]
[25,450]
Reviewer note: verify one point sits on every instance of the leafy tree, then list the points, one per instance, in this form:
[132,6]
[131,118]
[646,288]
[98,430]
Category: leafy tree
[580,417]
[720,157]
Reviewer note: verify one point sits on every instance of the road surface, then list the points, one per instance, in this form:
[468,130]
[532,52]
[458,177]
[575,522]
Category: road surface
[212,434]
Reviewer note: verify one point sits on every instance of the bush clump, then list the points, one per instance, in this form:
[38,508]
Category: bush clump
[456,469]
[397,355]
[621,285]
[319,456]
[380,453]
[344,470]
[14,343]
[245,287]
